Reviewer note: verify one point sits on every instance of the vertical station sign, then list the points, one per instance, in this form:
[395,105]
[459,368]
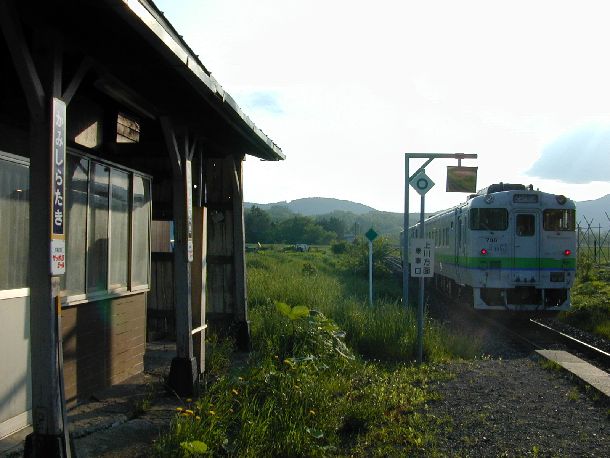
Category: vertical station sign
[188,183]
[58,188]
[422,258]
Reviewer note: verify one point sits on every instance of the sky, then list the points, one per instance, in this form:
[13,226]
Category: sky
[346,88]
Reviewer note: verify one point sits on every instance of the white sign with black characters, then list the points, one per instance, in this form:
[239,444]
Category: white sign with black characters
[58,188]
[188,188]
[422,258]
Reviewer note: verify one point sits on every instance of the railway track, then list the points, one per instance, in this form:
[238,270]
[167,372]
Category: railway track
[523,334]
[528,333]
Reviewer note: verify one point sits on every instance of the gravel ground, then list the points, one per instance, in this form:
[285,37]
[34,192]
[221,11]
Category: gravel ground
[518,408]
[508,404]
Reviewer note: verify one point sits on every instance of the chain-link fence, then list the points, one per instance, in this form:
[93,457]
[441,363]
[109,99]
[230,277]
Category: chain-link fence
[593,241]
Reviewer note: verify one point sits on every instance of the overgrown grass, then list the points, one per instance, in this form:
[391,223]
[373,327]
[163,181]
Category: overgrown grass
[590,301]
[329,375]
[385,331]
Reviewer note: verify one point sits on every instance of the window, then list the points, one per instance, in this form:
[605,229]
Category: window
[97,241]
[102,204]
[14,220]
[525,225]
[559,220]
[127,129]
[73,282]
[488,219]
[119,229]
[141,231]
[108,221]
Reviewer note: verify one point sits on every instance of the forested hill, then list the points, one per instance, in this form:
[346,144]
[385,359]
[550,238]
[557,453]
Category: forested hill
[313,206]
[279,223]
[596,212]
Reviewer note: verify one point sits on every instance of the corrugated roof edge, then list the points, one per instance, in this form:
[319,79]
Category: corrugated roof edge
[154,19]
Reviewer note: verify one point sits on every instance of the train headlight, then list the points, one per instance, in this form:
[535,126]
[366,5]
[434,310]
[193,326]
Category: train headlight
[561,200]
[489,198]
[567,252]
[483,251]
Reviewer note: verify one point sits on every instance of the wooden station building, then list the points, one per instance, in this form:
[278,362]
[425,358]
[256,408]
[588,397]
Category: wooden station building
[109,123]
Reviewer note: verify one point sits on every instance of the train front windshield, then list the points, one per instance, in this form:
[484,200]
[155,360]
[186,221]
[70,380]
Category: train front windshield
[488,219]
[559,220]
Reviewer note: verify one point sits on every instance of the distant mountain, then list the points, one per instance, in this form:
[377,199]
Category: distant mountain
[314,206]
[357,218]
[594,211]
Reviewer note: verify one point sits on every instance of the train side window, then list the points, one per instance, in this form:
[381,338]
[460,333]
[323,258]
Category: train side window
[559,220]
[526,225]
[488,219]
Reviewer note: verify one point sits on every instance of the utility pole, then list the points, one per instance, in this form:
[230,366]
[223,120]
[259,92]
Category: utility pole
[422,184]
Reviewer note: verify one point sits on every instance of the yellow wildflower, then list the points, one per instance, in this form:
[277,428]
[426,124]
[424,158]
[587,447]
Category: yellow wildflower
[179,409]
[211,412]
[234,391]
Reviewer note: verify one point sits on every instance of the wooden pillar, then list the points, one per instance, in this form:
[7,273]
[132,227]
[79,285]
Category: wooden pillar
[227,307]
[239,255]
[199,266]
[40,72]
[184,375]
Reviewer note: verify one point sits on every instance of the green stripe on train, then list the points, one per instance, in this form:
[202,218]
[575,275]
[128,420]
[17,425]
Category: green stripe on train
[509,263]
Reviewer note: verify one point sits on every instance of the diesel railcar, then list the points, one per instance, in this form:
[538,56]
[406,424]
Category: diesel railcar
[508,247]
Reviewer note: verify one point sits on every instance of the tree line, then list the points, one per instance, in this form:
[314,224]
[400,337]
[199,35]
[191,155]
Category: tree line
[262,228]
[279,224]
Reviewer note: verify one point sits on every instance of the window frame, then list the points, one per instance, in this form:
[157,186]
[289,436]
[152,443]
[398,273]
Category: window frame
[472,219]
[144,287]
[128,290]
[544,219]
[15,293]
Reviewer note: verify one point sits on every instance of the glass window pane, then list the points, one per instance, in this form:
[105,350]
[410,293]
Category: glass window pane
[73,282]
[559,220]
[15,223]
[119,229]
[97,252]
[526,225]
[141,231]
[488,219]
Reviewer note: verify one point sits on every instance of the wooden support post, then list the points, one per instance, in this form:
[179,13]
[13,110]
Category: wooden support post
[183,374]
[40,72]
[239,255]
[227,305]
[199,266]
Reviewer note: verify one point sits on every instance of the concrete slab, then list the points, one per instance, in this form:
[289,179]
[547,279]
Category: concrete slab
[123,420]
[590,374]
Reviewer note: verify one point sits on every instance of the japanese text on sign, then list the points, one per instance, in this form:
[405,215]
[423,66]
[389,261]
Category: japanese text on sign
[58,159]
[422,258]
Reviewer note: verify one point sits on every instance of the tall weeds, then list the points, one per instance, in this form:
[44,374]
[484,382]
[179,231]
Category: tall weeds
[312,386]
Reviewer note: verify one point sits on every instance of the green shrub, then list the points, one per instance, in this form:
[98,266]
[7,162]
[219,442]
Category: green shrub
[339,247]
[590,302]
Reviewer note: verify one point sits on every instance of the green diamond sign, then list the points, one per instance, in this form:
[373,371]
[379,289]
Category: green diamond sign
[371,234]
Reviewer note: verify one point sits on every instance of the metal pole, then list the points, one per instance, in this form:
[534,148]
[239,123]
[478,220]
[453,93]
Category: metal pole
[420,306]
[405,240]
[370,273]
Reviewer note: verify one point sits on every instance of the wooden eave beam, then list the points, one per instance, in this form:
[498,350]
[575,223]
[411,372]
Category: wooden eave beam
[76,81]
[179,56]
[22,58]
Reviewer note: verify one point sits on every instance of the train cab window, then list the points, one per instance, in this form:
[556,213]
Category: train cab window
[559,220]
[526,225]
[488,219]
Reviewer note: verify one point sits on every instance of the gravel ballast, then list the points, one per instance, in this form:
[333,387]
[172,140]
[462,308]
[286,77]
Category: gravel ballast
[517,407]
